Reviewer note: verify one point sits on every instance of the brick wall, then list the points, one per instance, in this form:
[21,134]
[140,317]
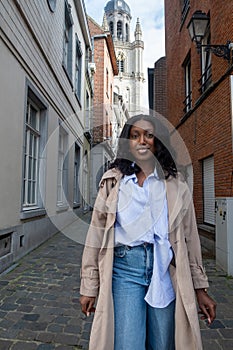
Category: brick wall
[102,84]
[207,128]
[160,86]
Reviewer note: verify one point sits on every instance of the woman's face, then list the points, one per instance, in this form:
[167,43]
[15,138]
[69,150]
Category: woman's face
[141,141]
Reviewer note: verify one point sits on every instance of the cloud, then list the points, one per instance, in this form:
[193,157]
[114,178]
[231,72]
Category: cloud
[159,19]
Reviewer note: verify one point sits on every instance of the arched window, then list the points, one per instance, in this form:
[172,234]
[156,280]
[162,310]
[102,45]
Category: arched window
[127,32]
[111,27]
[119,30]
[120,64]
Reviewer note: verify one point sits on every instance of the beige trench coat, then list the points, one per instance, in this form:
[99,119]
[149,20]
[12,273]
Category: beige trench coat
[96,271]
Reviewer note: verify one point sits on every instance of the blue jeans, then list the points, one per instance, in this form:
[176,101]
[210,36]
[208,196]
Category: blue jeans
[138,326]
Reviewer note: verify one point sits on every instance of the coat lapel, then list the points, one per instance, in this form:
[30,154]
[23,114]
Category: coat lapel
[176,199]
[174,205]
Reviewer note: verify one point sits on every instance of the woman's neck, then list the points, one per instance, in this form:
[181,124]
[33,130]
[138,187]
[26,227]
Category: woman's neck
[143,174]
[146,168]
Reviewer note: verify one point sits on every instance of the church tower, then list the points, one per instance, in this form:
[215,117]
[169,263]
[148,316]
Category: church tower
[130,80]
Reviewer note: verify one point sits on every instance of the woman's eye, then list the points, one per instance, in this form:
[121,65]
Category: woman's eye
[149,136]
[134,137]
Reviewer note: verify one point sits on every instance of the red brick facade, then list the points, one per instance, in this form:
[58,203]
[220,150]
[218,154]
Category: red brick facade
[106,68]
[160,86]
[207,127]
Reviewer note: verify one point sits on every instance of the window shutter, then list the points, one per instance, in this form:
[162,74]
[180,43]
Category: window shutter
[208,190]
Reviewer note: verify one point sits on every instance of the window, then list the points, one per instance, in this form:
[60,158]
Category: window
[77,199]
[120,61]
[87,112]
[107,83]
[119,30]
[127,32]
[185,5]
[67,41]
[78,68]
[111,27]
[209,191]
[111,94]
[120,65]
[206,65]
[85,182]
[188,85]
[62,171]
[34,144]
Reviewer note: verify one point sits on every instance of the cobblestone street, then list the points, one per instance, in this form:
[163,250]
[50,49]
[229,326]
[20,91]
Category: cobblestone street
[40,310]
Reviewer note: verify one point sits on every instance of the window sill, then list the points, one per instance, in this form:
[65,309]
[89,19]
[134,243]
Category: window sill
[207,228]
[61,208]
[76,205]
[31,213]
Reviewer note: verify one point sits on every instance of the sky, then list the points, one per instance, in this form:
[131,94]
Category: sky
[151,16]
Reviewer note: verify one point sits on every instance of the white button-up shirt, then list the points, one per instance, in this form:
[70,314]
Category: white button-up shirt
[142,216]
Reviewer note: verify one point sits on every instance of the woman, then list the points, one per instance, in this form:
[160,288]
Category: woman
[142,261]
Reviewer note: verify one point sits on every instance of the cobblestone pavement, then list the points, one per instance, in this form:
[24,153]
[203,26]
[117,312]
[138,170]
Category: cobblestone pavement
[39,300]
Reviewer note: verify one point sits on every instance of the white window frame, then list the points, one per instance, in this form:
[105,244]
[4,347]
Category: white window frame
[67,40]
[31,175]
[120,64]
[34,157]
[206,64]
[77,160]
[78,68]
[87,112]
[62,168]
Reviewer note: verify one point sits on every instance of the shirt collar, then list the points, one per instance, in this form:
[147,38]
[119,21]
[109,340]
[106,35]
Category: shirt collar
[134,178]
[127,178]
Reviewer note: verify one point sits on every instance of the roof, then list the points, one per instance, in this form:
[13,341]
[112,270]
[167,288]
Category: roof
[98,33]
[117,5]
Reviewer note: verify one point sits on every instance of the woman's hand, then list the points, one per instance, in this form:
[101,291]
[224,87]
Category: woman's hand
[207,305]
[87,304]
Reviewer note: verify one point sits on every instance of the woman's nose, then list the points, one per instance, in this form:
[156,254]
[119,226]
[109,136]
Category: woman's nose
[142,139]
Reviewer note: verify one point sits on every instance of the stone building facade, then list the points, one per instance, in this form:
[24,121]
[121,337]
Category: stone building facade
[129,83]
[46,85]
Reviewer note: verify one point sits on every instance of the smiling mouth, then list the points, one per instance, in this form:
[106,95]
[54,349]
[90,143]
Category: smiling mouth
[142,150]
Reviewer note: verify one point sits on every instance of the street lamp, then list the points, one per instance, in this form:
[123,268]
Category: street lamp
[197,29]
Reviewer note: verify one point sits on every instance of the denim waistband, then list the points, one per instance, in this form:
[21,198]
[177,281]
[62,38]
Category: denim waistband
[144,245]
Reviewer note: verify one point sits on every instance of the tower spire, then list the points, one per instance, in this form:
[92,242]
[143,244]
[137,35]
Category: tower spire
[138,31]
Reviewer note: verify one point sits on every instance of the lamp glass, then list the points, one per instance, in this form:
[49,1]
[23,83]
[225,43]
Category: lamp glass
[198,25]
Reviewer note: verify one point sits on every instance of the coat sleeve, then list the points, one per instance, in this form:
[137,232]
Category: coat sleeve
[192,240]
[89,269]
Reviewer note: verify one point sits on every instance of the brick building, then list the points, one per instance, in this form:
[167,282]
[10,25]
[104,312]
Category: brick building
[108,114]
[199,100]
[157,87]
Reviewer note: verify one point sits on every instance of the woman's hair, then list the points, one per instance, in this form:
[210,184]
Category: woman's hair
[124,160]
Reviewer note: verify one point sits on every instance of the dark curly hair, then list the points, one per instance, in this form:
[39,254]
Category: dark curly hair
[165,161]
